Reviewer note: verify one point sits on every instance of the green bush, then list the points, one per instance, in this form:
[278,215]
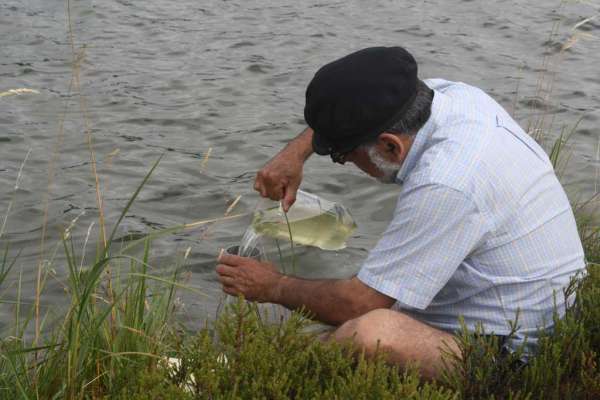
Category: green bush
[246,359]
[241,357]
[565,367]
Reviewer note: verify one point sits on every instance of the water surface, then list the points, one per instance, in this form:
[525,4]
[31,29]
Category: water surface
[180,78]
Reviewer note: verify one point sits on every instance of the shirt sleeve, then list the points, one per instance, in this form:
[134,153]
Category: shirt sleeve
[433,230]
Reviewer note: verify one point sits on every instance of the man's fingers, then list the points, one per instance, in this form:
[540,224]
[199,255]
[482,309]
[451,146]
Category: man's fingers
[259,184]
[225,270]
[226,280]
[230,259]
[266,185]
[276,192]
[230,290]
[259,188]
[263,190]
[269,186]
[289,198]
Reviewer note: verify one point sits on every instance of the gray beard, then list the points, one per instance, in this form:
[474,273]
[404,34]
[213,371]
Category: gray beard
[389,169]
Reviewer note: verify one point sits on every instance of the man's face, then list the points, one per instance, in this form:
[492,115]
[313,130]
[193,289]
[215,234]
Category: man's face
[388,169]
[372,162]
[382,159]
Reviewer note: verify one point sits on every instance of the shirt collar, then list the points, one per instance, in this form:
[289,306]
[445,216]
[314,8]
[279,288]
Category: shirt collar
[438,110]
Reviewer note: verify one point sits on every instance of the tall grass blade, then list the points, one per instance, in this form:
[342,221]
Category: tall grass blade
[130,202]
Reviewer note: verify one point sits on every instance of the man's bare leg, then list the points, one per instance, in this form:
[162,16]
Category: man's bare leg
[405,340]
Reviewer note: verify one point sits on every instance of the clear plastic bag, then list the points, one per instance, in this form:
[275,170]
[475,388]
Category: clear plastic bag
[311,221]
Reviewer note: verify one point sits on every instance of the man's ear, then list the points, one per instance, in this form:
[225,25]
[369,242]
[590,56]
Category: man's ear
[394,147]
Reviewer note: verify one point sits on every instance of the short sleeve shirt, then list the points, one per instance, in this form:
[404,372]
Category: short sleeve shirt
[482,229]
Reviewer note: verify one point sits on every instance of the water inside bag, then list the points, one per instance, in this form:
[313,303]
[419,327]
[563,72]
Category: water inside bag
[313,221]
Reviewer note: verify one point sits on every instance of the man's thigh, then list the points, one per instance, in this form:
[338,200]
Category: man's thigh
[403,339]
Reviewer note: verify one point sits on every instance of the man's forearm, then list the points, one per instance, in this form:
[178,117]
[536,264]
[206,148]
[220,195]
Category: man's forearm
[301,145]
[330,301]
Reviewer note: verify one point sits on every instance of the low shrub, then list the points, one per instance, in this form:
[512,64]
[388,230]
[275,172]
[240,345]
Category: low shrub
[246,359]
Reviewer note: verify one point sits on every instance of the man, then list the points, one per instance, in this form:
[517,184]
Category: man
[482,229]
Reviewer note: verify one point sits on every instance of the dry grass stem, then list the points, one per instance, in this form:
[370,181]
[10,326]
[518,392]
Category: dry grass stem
[47,195]
[17,92]
[585,21]
[233,204]
[12,200]
[227,212]
[78,58]
[210,221]
[205,160]
[110,156]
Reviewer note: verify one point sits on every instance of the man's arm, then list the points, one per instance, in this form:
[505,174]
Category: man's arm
[300,146]
[280,178]
[332,301]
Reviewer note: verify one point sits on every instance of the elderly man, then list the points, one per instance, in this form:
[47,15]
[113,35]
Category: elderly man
[482,229]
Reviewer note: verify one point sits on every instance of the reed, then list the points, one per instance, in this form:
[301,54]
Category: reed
[104,331]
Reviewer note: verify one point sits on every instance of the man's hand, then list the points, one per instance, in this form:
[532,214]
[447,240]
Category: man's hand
[280,178]
[333,301]
[255,280]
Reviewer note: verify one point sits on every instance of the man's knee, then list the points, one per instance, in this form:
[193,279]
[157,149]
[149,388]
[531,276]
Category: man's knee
[404,340]
[369,331]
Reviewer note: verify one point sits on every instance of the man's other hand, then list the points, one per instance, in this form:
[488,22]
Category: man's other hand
[280,178]
[253,279]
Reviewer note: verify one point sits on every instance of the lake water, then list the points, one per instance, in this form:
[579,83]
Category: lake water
[188,77]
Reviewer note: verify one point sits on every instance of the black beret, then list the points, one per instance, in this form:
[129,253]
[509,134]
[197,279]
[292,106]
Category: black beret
[352,100]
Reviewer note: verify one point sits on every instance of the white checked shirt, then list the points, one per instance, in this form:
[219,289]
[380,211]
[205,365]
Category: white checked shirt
[482,228]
